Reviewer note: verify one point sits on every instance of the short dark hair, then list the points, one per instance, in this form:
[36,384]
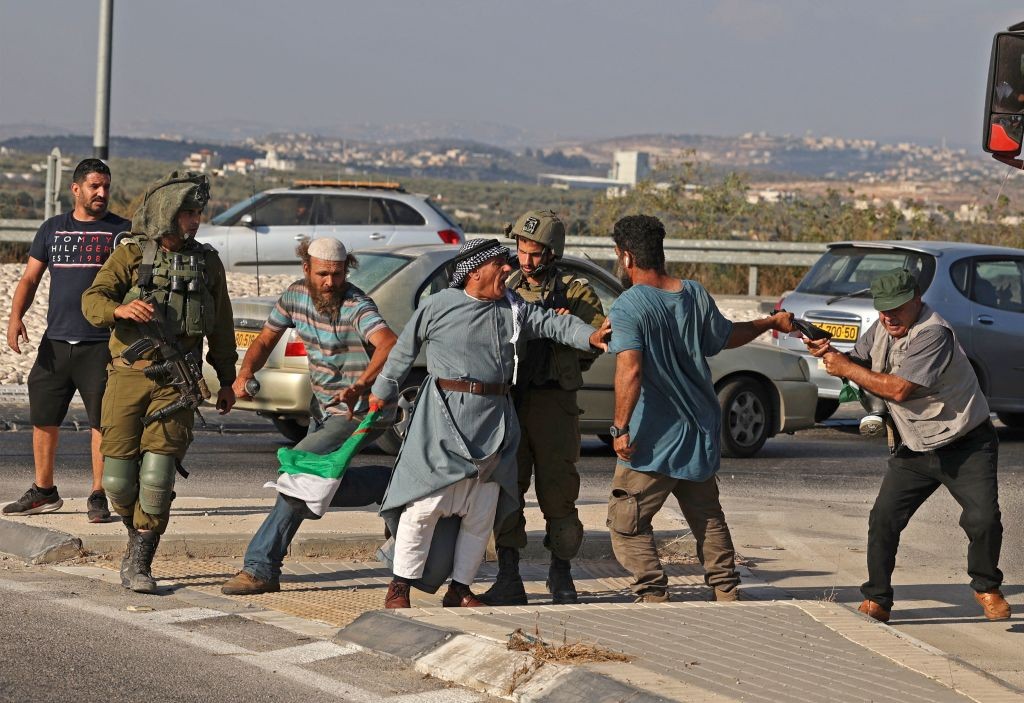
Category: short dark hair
[87,166]
[642,236]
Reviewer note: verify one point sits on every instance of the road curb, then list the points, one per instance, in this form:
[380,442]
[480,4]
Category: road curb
[38,545]
[483,664]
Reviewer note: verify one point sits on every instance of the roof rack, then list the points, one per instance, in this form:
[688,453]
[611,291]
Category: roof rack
[384,185]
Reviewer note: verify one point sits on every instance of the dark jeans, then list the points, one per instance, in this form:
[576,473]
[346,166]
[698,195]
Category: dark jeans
[967,468]
[360,486]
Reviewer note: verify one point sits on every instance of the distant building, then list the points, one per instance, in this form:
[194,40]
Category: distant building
[272,162]
[202,161]
[628,169]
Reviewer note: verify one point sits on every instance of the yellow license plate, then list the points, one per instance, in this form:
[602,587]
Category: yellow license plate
[840,333]
[244,339]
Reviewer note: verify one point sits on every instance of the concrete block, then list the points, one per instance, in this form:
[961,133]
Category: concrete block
[37,545]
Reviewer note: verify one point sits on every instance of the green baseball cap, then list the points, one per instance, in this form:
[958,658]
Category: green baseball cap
[892,289]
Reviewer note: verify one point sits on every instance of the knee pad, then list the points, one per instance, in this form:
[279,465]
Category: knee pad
[121,480]
[564,536]
[156,483]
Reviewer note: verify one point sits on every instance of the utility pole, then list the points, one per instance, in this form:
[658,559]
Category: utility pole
[101,128]
[53,173]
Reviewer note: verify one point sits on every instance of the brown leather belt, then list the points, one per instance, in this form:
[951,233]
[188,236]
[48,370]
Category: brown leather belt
[139,364]
[474,387]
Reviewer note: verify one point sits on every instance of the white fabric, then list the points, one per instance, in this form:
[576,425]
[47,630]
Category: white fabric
[316,491]
[472,500]
[328,249]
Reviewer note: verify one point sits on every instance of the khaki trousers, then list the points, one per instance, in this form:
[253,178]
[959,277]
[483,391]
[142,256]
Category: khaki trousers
[637,497]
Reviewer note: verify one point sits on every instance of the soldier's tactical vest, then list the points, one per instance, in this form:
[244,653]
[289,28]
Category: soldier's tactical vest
[177,282]
[942,413]
[548,364]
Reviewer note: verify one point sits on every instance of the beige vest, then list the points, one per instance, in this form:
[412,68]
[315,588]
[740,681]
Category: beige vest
[942,413]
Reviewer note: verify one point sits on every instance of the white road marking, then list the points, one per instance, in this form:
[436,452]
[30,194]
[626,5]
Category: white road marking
[168,617]
[265,661]
[309,653]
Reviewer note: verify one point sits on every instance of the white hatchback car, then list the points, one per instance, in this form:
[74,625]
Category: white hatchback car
[264,230]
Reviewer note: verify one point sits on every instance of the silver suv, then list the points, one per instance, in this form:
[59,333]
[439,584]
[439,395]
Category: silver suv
[979,289]
[265,228]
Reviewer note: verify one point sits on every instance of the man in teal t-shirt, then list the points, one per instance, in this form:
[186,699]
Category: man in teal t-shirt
[667,417]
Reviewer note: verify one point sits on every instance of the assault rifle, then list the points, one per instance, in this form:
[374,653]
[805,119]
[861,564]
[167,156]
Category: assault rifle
[177,368]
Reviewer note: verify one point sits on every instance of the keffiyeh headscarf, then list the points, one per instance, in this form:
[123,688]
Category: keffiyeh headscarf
[472,254]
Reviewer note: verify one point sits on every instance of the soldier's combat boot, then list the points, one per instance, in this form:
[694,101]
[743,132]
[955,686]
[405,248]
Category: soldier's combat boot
[508,586]
[127,565]
[144,550]
[560,584]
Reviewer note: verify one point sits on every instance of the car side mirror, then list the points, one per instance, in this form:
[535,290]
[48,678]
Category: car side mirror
[1004,97]
[247,220]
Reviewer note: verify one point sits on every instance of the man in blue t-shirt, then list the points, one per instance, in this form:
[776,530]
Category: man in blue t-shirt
[72,354]
[667,417]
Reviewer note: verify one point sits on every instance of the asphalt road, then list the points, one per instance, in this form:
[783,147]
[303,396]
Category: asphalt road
[798,513]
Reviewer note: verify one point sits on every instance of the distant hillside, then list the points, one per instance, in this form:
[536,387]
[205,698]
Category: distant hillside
[80,146]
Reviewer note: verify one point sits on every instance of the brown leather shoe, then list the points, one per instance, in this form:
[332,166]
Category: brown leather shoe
[727,596]
[874,610]
[245,584]
[996,607]
[459,596]
[397,596]
[652,597]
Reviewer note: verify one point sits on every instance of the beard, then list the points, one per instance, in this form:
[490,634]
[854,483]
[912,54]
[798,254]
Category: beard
[95,209]
[623,277]
[326,303]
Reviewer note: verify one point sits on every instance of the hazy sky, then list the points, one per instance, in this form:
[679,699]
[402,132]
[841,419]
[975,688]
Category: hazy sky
[875,68]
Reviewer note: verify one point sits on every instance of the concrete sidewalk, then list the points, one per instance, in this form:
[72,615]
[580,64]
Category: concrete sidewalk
[764,648]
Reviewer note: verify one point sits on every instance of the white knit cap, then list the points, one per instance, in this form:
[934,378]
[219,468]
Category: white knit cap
[328,249]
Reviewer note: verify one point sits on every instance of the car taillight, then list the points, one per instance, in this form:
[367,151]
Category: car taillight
[295,349]
[778,306]
[449,236]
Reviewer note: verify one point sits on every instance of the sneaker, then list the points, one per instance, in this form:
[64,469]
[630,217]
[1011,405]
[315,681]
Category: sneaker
[34,502]
[97,507]
[871,425]
[245,584]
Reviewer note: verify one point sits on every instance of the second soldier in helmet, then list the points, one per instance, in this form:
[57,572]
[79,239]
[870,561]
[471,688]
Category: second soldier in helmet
[545,396]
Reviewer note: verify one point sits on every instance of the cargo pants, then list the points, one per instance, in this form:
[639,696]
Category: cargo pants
[549,447]
[636,498]
[130,396]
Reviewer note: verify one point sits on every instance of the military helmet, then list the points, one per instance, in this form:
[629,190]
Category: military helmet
[165,197]
[541,226]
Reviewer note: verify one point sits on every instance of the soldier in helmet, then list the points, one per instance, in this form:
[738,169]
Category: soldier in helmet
[159,282]
[545,396]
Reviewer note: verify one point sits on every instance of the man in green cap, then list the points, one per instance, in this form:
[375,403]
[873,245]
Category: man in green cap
[158,285]
[545,398]
[939,431]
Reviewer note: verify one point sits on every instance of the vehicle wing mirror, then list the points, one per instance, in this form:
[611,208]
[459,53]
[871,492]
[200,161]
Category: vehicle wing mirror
[1004,97]
[247,220]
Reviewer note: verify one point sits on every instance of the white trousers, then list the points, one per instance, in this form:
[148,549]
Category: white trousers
[474,502]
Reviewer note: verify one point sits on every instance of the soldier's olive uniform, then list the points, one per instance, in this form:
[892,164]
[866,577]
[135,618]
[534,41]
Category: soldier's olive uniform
[545,394]
[190,291]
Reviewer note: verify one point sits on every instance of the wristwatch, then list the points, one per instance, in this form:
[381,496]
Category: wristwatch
[616,431]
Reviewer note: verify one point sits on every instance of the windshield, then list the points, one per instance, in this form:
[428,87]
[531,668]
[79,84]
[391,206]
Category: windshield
[375,268]
[444,215]
[846,270]
[229,216]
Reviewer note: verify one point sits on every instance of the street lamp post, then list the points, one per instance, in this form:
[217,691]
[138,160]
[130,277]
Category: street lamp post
[101,128]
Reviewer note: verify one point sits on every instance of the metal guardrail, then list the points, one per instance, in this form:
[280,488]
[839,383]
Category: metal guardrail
[692,251]
[18,230]
[712,251]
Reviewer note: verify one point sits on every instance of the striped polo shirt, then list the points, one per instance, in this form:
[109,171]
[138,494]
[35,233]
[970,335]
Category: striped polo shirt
[335,346]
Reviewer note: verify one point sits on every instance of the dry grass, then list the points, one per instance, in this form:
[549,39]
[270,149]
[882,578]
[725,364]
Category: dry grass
[567,653]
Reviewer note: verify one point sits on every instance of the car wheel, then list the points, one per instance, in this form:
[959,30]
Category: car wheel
[746,417]
[825,409]
[294,429]
[1012,420]
[390,442]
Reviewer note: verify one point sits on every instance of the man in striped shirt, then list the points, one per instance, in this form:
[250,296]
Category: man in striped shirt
[337,322]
